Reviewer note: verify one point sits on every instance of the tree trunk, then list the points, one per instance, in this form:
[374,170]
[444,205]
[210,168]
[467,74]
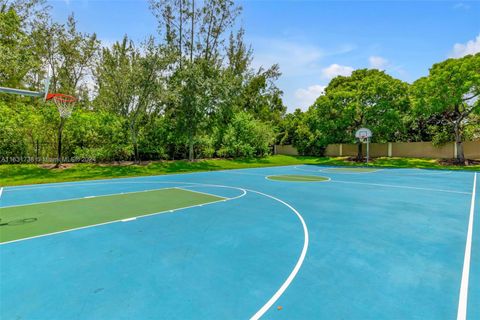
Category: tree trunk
[135,144]
[458,142]
[181,32]
[192,37]
[191,156]
[37,151]
[360,151]
[59,146]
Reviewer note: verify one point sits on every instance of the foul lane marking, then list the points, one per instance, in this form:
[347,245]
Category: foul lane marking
[87,197]
[120,220]
[463,298]
[185,188]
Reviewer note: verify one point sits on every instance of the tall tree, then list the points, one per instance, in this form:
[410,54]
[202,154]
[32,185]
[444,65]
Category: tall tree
[196,97]
[451,91]
[172,17]
[130,83]
[368,98]
[16,54]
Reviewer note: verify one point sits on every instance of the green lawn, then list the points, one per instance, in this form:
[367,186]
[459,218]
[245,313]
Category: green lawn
[58,216]
[14,174]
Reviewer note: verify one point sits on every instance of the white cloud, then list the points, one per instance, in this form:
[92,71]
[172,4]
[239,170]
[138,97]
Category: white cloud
[336,70]
[295,59]
[471,47]
[377,62]
[306,97]
[461,5]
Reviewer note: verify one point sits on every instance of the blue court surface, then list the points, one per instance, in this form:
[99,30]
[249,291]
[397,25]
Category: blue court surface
[386,244]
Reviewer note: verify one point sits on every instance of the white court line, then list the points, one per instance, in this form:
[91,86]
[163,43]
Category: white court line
[210,194]
[115,181]
[463,298]
[389,171]
[400,187]
[83,198]
[295,270]
[297,168]
[306,180]
[1,191]
[110,222]
[136,217]
[331,170]
[245,174]
[126,179]
[284,285]
[341,170]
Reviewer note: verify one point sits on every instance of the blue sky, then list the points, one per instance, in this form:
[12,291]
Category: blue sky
[315,40]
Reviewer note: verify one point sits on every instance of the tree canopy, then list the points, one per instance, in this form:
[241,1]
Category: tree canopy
[189,90]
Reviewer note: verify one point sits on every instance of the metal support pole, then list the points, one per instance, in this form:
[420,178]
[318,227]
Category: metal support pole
[368,149]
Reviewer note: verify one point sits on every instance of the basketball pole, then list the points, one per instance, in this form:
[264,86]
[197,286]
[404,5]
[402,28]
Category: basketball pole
[368,149]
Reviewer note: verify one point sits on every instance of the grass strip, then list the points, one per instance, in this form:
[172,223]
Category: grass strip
[21,174]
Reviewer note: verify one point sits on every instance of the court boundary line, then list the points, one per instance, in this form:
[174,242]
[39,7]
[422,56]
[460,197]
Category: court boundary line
[400,187]
[81,182]
[114,181]
[328,179]
[89,197]
[463,296]
[326,170]
[388,170]
[331,170]
[129,219]
[1,191]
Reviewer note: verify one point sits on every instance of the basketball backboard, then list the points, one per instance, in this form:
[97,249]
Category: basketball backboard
[28,93]
[363,133]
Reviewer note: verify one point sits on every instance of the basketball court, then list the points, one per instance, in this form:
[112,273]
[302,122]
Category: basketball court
[293,242]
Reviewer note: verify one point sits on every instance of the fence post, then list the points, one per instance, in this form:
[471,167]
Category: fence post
[389,149]
[455,151]
[341,150]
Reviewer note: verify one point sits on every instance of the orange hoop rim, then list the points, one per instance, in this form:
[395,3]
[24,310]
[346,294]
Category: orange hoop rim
[60,97]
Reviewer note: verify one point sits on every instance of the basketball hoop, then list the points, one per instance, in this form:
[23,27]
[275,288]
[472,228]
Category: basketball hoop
[363,135]
[64,103]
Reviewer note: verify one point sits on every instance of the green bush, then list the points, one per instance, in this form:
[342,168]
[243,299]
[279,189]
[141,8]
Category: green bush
[246,137]
[98,136]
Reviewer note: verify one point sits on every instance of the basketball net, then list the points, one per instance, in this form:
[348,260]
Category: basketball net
[64,103]
[363,139]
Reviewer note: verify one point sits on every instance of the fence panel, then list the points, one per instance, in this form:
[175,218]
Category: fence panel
[399,149]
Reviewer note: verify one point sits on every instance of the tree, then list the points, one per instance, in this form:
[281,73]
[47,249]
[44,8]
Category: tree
[367,98]
[16,56]
[451,91]
[130,84]
[246,137]
[196,96]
